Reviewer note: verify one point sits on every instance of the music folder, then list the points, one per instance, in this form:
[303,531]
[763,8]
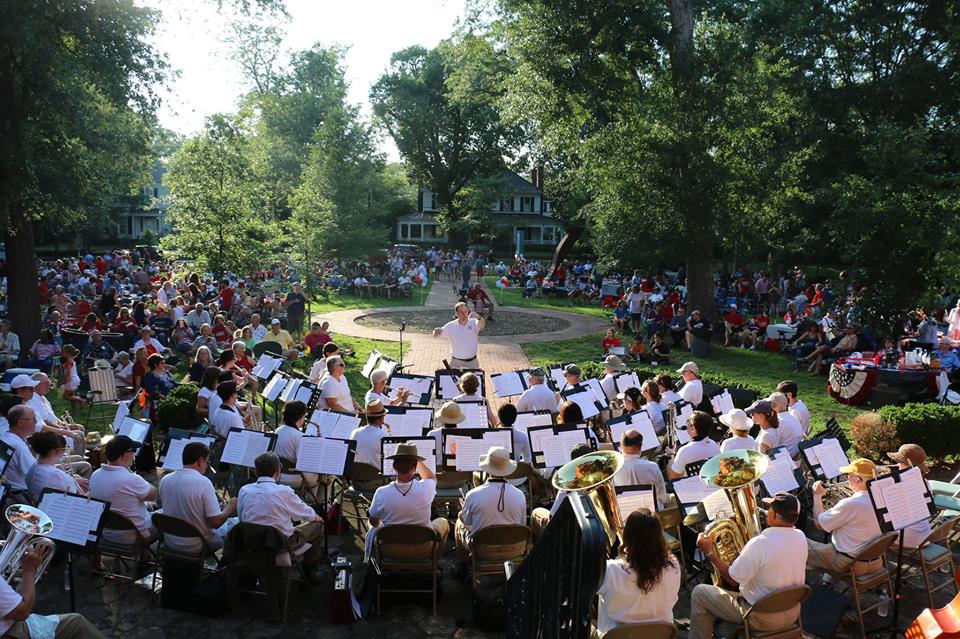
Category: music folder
[638,420]
[370,364]
[901,499]
[135,429]
[420,387]
[462,447]
[510,383]
[623,381]
[172,452]
[426,448]
[266,366]
[584,397]
[824,457]
[447,387]
[782,473]
[276,384]
[333,423]
[550,446]
[77,519]
[326,456]
[408,421]
[635,497]
[243,446]
[722,402]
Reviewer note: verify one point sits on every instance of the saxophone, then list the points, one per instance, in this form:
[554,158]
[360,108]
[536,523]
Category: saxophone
[731,533]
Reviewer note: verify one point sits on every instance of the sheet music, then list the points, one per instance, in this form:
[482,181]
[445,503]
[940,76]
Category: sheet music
[426,448]
[173,460]
[510,383]
[556,374]
[597,390]
[134,429]
[274,387]
[290,390]
[623,381]
[75,518]
[684,413]
[586,400]
[691,490]
[476,415]
[123,409]
[498,437]
[448,390]
[266,365]
[683,436]
[554,452]
[831,457]
[333,424]
[716,503]
[532,419]
[243,447]
[632,500]
[408,421]
[906,501]
[779,475]
[333,457]
[420,387]
[306,392]
[370,364]
[640,421]
[722,403]
[386,365]
[468,453]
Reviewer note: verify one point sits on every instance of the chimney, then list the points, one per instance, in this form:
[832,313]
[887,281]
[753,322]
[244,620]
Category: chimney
[420,200]
[534,174]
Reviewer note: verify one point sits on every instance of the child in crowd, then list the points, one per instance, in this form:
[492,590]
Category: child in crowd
[71,376]
[638,350]
[609,341]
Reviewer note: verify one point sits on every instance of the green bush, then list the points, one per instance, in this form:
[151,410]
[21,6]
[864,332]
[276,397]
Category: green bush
[179,409]
[934,427]
[873,437]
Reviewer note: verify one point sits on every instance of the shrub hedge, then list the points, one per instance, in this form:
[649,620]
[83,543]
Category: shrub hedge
[873,437]
[178,409]
[934,427]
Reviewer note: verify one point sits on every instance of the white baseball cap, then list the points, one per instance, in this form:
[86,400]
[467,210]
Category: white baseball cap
[23,381]
[274,321]
[689,367]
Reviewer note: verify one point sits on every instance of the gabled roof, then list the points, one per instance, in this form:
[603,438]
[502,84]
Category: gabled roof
[519,185]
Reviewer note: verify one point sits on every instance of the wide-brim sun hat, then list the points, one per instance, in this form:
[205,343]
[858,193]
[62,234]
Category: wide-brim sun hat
[406,451]
[450,413]
[737,419]
[497,463]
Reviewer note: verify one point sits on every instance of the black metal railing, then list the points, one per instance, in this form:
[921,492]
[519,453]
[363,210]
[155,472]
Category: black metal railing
[550,594]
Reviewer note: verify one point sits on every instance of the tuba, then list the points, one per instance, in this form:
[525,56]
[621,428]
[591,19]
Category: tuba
[592,475]
[28,527]
[731,534]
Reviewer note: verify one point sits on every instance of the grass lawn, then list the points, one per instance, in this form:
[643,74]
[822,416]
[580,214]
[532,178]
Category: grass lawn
[347,301]
[514,297]
[759,368]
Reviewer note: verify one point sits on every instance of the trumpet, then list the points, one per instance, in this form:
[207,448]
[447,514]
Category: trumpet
[28,527]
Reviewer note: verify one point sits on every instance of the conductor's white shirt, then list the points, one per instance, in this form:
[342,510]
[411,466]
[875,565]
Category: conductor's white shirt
[774,559]
[481,507]
[852,523]
[268,503]
[463,337]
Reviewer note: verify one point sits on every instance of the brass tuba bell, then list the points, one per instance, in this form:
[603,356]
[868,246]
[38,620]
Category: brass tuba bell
[592,474]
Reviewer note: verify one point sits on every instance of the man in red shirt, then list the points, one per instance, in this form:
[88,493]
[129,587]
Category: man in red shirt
[317,337]
[733,324]
[480,300]
[226,296]
[756,331]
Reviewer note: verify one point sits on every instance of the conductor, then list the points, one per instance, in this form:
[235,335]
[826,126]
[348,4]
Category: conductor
[463,334]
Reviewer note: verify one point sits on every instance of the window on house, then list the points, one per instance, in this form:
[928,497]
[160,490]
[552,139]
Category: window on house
[156,192]
[404,231]
[549,234]
[427,201]
[416,231]
[506,204]
[526,204]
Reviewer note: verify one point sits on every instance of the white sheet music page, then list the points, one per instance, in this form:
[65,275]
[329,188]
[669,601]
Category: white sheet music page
[641,421]
[173,460]
[305,392]
[633,500]
[722,403]
[134,429]
[555,454]
[417,385]
[684,414]
[73,517]
[346,424]
[476,415]
[597,390]
[274,387]
[585,399]
[325,421]
[831,457]
[426,448]
[243,447]
[683,436]
[333,457]
[531,419]
[290,390]
[779,475]
[503,438]
[692,490]
[538,438]
[468,453]
[370,364]
[571,438]
[403,425]
[310,454]
[559,381]
[507,384]
[716,503]
[386,365]
[122,411]
[266,365]
[623,381]
[448,390]
[906,501]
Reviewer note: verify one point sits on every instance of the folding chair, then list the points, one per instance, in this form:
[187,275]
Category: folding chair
[449,486]
[523,471]
[930,556]
[643,631]
[406,550]
[671,521]
[780,600]
[122,552]
[358,490]
[102,391]
[861,583]
[493,545]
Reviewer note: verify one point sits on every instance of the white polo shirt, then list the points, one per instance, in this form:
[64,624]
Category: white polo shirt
[791,432]
[852,523]
[537,397]
[288,442]
[21,461]
[655,412]
[481,507]
[769,437]
[463,337]
[187,494]
[693,451]
[637,470]
[268,503]
[42,410]
[608,386]
[692,392]
[774,559]
[42,476]
[338,390]
[622,602]
[368,444]
[802,413]
[409,503]
[224,419]
[9,599]
[738,442]
[126,491]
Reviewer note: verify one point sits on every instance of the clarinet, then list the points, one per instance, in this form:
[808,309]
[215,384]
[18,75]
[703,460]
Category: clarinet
[453,375]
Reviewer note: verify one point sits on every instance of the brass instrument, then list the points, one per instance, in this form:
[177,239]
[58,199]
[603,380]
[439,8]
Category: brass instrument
[730,534]
[570,477]
[836,491]
[671,425]
[28,527]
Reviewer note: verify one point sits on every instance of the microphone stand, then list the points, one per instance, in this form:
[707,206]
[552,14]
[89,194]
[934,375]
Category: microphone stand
[400,366]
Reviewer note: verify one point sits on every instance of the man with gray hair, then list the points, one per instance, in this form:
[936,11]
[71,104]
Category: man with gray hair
[48,420]
[22,422]
[538,395]
[334,389]
[123,372]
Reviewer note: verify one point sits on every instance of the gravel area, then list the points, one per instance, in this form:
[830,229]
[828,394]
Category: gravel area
[505,322]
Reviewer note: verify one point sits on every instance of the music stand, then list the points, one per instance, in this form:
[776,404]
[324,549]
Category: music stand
[421,386]
[635,497]
[823,456]
[782,474]
[462,447]
[900,499]
[409,421]
[510,383]
[447,389]
[426,448]
[638,420]
[564,437]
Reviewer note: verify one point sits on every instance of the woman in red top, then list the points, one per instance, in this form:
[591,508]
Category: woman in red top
[124,323]
[222,332]
[139,368]
[91,323]
[609,341]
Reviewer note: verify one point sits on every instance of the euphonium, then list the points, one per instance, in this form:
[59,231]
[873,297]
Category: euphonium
[592,474]
[731,534]
[27,527]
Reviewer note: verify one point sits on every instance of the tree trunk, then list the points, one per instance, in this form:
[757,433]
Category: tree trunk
[23,295]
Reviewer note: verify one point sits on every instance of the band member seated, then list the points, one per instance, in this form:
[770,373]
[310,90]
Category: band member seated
[774,559]
[368,437]
[699,448]
[406,500]
[22,424]
[129,494]
[636,469]
[470,384]
[652,402]
[17,607]
[49,448]
[378,390]
[642,585]
[288,441]
[766,417]
[692,389]
[449,416]
[791,430]
[267,503]
[907,456]
[797,408]
[852,523]
[739,424]
[538,395]
[612,366]
[493,503]
[188,494]
[335,391]
[227,416]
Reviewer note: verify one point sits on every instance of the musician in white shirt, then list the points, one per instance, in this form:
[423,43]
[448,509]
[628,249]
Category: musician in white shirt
[494,503]
[668,390]
[227,416]
[612,365]
[406,500]
[378,390]
[692,389]
[129,494]
[288,442]
[642,585]
[538,395]
[791,430]
[766,417]
[449,416]
[368,437]
[797,408]
[774,559]
[636,469]
[267,503]
[852,523]
[470,385]
[318,372]
[334,389]
[739,424]
[22,425]
[651,394]
[463,334]
[908,456]
[699,448]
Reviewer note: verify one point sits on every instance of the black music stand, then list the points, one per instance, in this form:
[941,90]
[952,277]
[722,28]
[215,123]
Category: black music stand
[449,460]
[554,430]
[344,472]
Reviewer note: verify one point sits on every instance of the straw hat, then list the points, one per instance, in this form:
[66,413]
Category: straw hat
[376,409]
[406,451]
[911,453]
[450,413]
[689,367]
[497,462]
[614,363]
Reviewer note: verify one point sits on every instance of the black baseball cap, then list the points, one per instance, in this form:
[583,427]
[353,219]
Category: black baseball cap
[119,445]
[785,505]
